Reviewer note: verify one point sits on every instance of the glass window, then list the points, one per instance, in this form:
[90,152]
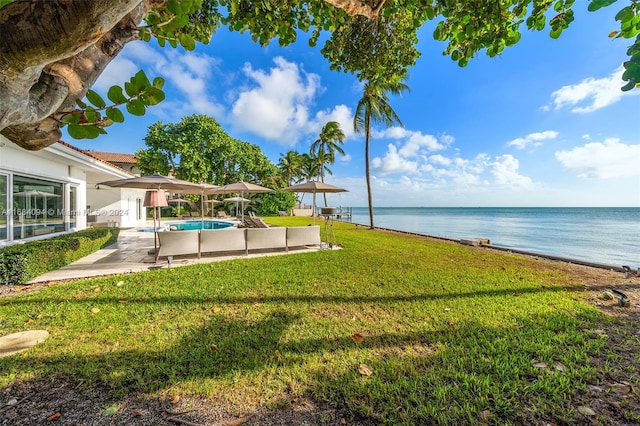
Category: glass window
[3,207]
[73,212]
[38,207]
[139,208]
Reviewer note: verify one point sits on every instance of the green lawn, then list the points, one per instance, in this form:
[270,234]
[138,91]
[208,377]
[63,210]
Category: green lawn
[447,331]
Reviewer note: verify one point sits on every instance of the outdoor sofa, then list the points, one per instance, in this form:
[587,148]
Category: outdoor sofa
[182,243]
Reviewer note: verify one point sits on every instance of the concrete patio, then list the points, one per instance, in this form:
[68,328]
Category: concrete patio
[131,253]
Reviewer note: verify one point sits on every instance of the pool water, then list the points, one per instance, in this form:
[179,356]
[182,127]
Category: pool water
[191,225]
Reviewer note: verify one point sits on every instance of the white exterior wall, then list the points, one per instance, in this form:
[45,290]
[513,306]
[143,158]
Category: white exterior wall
[61,163]
[79,177]
[116,205]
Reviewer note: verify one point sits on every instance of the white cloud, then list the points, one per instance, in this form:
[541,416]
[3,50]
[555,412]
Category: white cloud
[394,132]
[277,107]
[340,113]
[608,159]
[121,69]
[591,94]
[406,155]
[392,162]
[533,139]
[345,158]
[505,171]
[447,139]
[416,141]
[190,73]
[142,51]
[439,160]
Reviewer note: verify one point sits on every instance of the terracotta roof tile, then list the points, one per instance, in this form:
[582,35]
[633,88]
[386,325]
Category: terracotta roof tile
[114,157]
[95,157]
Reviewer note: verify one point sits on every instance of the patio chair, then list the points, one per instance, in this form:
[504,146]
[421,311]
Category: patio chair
[178,243]
[266,239]
[222,240]
[302,236]
[222,214]
[259,223]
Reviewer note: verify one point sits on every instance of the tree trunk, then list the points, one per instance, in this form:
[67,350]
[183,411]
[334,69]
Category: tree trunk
[322,180]
[357,7]
[51,53]
[367,130]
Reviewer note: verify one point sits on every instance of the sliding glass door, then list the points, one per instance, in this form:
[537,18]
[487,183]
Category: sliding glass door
[38,207]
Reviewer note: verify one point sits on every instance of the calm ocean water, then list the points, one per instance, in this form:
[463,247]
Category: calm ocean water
[604,235]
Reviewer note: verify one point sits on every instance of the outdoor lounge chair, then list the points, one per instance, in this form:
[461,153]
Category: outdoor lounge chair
[255,221]
[299,236]
[217,240]
[222,214]
[178,243]
[259,223]
[266,238]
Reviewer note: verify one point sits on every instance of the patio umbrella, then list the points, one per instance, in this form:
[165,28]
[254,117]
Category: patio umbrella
[157,182]
[314,187]
[212,202]
[27,196]
[241,188]
[35,193]
[182,201]
[202,189]
[237,200]
[207,188]
[154,181]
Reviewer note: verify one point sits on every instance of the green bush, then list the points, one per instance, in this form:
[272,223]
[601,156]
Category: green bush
[21,262]
[277,201]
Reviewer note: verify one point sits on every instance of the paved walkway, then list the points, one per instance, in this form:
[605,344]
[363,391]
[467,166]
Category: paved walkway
[133,253]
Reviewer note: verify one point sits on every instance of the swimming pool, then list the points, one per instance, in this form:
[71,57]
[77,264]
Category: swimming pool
[191,225]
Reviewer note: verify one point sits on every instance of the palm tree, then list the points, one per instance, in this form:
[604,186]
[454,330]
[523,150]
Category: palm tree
[374,107]
[290,166]
[309,168]
[326,146]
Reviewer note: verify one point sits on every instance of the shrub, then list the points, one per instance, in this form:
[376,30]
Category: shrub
[276,201]
[21,262]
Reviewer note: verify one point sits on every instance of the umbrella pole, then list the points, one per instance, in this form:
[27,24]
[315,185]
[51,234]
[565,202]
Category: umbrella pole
[155,237]
[313,209]
[202,211]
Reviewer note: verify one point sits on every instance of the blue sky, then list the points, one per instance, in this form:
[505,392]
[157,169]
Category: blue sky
[544,124]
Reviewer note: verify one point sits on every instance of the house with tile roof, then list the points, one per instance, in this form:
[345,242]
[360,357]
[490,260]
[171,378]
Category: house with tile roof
[127,162]
[54,191]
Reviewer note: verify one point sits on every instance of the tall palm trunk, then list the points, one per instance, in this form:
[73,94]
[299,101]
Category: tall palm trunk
[324,193]
[367,127]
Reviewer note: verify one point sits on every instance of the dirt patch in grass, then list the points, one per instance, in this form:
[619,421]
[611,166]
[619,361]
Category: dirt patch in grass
[613,397]
[66,403]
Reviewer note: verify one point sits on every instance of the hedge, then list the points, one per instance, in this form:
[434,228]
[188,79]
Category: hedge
[22,262]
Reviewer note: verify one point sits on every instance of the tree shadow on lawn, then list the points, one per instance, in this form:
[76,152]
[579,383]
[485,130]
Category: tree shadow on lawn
[243,348]
[322,298]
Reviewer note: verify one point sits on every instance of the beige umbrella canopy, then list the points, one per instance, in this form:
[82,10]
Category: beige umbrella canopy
[241,188]
[202,189]
[237,200]
[314,187]
[155,182]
